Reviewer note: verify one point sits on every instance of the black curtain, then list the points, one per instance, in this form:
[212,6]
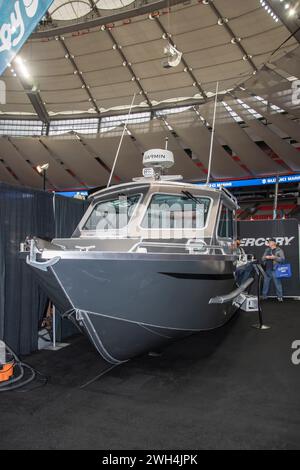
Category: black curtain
[68,213]
[26,212]
[22,212]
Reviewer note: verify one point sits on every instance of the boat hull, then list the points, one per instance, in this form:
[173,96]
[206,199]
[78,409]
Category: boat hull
[131,305]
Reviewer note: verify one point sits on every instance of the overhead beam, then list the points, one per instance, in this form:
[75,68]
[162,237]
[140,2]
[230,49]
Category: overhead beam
[129,67]
[291,22]
[99,21]
[36,101]
[184,62]
[232,35]
[79,74]
[94,7]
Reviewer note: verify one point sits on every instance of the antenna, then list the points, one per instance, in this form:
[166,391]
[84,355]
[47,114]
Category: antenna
[120,143]
[275,210]
[212,136]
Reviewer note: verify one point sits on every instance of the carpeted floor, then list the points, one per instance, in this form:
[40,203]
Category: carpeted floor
[232,389]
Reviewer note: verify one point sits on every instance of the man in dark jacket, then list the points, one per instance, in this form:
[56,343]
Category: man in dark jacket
[273,256]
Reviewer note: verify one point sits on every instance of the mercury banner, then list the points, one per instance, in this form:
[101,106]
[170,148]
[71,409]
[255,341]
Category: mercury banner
[18,18]
[254,236]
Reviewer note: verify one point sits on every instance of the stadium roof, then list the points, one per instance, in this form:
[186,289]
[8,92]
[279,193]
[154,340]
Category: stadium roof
[94,70]
[83,73]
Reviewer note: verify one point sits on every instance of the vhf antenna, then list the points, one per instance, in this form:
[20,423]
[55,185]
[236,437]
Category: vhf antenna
[212,136]
[120,143]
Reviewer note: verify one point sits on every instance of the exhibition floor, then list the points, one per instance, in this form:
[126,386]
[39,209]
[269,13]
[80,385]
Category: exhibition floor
[232,389]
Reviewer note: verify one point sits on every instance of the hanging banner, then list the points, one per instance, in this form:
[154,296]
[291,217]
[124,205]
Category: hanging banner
[18,19]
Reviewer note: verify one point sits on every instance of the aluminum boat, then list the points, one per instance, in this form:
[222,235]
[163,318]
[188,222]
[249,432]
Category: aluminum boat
[151,261]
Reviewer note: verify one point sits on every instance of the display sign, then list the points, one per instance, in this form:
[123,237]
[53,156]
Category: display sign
[18,18]
[254,236]
[255,182]
[73,194]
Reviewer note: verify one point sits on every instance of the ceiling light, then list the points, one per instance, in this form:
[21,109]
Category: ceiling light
[269,10]
[22,69]
[153,15]
[292,12]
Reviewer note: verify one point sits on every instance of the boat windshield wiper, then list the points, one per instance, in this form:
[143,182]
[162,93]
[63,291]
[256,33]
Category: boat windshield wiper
[191,197]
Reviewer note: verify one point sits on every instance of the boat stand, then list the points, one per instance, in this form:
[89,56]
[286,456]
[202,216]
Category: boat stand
[260,276]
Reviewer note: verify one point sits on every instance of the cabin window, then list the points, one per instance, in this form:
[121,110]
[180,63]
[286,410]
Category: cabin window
[167,211]
[226,222]
[114,214]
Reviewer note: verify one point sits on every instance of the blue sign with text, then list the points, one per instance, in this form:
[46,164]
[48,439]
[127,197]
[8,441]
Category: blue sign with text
[255,182]
[18,18]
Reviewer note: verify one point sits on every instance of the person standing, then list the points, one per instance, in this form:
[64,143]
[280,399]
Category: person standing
[273,256]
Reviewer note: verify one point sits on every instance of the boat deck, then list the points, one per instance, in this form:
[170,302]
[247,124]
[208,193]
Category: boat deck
[234,388]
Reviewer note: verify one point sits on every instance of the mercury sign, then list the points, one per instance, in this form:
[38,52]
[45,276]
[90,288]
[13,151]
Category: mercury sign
[17,21]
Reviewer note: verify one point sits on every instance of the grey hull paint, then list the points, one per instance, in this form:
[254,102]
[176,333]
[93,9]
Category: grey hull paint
[128,306]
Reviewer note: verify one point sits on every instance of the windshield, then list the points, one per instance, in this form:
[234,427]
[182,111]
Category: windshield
[167,211]
[113,214]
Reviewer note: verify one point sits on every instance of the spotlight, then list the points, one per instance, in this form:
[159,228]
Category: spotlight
[42,169]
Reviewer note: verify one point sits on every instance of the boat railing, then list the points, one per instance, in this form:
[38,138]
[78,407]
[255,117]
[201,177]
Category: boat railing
[191,247]
[230,195]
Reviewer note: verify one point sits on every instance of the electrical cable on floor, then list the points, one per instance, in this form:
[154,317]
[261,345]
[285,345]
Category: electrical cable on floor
[19,381]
